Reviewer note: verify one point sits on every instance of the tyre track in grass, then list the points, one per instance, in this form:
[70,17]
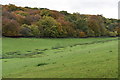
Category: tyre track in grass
[42,51]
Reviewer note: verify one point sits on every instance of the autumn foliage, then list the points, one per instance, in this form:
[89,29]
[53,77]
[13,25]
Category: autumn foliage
[42,22]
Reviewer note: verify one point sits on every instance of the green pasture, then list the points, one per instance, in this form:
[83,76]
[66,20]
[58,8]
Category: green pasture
[60,58]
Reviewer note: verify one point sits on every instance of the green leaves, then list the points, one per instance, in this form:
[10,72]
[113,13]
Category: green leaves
[26,21]
[48,26]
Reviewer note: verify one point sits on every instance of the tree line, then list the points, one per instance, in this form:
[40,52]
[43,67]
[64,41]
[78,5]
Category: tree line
[42,22]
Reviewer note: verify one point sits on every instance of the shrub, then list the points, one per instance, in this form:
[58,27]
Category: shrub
[10,27]
[83,34]
[112,34]
[48,27]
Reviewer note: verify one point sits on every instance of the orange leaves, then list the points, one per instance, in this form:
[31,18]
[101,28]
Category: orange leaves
[10,27]
[51,23]
[82,34]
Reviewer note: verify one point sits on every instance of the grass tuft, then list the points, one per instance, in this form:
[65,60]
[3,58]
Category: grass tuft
[42,64]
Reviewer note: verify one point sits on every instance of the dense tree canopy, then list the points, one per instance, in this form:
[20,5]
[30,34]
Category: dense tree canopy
[42,22]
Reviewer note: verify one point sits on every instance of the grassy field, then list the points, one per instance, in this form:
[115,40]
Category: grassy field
[60,58]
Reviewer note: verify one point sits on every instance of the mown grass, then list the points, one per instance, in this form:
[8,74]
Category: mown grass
[60,58]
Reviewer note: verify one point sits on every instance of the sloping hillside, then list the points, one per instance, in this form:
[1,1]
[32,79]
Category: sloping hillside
[42,22]
[60,58]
